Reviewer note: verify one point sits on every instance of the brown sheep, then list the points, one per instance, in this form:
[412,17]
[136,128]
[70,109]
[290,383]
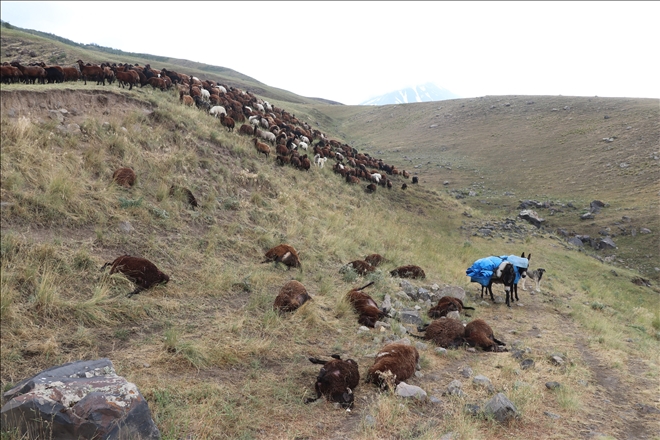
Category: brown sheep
[227,122]
[365,306]
[93,72]
[445,332]
[246,129]
[124,177]
[360,267]
[371,188]
[374,259]
[336,380]
[186,99]
[292,295]
[142,272]
[284,254]
[479,334]
[404,186]
[445,305]
[184,192]
[408,272]
[261,147]
[394,363]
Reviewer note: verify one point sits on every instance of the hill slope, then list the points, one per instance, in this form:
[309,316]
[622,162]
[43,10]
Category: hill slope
[208,352]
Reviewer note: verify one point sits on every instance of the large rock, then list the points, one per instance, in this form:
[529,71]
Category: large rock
[500,408]
[453,291]
[532,217]
[84,399]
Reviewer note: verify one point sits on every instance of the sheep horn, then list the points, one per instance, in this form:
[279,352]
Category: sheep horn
[364,287]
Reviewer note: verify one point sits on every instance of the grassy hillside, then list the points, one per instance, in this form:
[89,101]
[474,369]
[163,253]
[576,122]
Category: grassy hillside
[208,352]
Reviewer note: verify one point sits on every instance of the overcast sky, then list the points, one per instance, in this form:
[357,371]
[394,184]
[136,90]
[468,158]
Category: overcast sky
[352,51]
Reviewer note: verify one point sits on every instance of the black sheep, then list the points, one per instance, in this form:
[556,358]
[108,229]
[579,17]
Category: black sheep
[336,380]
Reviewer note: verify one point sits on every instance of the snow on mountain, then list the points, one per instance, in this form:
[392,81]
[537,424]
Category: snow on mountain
[422,93]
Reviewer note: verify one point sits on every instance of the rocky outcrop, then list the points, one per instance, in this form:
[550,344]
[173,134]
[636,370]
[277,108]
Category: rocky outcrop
[84,399]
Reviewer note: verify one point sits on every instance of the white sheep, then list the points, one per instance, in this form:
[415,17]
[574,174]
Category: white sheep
[222,89]
[303,145]
[304,139]
[264,123]
[267,135]
[217,111]
[376,177]
[268,106]
[206,95]
[319,161]
[259,107]
[254,120]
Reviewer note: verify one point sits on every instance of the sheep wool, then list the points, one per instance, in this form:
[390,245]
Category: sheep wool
[394,363]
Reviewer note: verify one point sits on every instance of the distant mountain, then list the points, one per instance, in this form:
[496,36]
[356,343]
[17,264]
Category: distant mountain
[424,93]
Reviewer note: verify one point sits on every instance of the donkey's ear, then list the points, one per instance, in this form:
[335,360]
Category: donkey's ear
[523,255]
[529,256]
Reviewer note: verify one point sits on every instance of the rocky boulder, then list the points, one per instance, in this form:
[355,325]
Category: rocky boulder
[532,217]
[84,399]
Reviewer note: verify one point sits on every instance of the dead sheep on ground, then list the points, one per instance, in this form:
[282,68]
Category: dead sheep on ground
[408,272]
[444,332]
[395,362]
[336,380]
[284,254]
[292,295]
[365,306]
[445,305]
[142,272]
[479,334]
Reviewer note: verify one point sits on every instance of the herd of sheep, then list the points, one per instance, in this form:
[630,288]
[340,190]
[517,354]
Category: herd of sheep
[272,128]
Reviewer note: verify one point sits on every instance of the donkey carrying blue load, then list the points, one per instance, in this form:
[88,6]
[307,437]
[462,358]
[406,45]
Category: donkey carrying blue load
[507,270]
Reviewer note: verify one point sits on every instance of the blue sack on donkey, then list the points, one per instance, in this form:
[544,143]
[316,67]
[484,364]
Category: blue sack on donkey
[519,263]
[482,270]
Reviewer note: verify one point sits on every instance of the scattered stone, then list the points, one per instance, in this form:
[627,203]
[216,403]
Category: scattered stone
[449,436]
[575,241]
[441,350]
[410,317]
[481,380]
[408,288]
[552,385]
[454,292]
[82,399]
[527,364]
[435,400]
[56,116]
[421,345]
[501,408]
[587,216]
[455,388]
[402,295]
[466,372]
[405,390]
[363,329]
[382,325]
[369,421]
[557,360]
